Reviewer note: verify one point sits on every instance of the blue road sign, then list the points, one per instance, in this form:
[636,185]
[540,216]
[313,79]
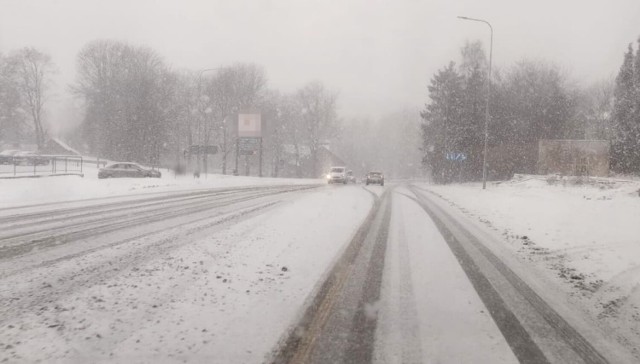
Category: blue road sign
[456,156]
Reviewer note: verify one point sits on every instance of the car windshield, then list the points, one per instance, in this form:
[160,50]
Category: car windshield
[346,181]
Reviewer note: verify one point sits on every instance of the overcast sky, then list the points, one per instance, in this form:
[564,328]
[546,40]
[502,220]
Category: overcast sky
[379,55]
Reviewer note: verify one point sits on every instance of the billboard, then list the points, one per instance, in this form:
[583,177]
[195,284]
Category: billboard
[249,126]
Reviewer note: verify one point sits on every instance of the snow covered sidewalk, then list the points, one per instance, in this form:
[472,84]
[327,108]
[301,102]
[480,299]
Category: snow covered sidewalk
[585,237]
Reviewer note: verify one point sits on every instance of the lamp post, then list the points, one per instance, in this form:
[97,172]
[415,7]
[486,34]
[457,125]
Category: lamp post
[486,116]
[204,126]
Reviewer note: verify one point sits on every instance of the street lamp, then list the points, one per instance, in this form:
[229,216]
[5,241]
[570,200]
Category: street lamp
[486,117]
[204,126]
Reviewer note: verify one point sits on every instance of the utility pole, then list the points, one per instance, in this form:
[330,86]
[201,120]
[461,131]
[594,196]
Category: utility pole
[205,137]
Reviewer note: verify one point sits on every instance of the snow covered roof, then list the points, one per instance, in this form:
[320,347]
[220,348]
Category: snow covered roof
[65,146]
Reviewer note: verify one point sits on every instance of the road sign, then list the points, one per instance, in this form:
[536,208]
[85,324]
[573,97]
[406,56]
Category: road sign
[249,144]
[455,156]
[249,125]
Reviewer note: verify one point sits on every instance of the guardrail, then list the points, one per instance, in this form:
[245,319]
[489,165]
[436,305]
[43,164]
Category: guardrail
[43,166]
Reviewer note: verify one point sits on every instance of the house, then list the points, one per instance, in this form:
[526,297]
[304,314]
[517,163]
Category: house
[55,146]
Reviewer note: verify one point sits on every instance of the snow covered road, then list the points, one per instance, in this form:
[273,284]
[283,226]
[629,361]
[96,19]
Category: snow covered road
[176,277]
[279,273]
[419,286]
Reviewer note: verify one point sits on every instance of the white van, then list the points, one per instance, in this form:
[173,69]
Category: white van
[337,175]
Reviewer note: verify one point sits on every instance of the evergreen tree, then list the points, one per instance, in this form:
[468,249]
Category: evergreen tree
[473,114]
[625,143]
[443,126]
[530,103]
[635,118]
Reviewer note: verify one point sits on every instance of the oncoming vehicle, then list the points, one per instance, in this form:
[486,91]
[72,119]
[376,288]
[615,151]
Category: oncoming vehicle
[337,175]
[375,178]
[350,177]
[126,169]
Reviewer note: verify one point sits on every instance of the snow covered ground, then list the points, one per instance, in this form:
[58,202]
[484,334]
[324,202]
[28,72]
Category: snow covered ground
[585,236]
[200,293]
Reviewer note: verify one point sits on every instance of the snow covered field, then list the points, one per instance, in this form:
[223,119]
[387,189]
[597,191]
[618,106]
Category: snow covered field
[584,236]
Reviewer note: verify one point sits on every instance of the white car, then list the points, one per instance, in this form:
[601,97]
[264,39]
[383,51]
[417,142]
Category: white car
[126,169]
[337,175]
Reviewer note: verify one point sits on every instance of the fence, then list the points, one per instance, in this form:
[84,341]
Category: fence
[42,166]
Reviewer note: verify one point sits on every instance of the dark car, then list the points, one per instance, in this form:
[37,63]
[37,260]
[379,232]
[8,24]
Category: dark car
[375,178]
[126,169]
[26,158]
[6,156]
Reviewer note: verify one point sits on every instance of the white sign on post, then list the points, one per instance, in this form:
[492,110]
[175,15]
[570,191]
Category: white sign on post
[249,126]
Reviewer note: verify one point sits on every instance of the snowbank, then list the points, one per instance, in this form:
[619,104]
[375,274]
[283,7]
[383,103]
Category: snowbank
[584,233]
[26,191]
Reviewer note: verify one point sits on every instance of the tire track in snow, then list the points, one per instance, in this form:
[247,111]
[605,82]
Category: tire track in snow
[17,302]
[71,230]
[298,345]
[363,328]
[521,342]
[404,342]
[48,217]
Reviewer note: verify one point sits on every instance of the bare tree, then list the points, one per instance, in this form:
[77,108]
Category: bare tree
[12,118]
[34,69]
[234,89]
[128,92]
[594,109]
[473,58]
[183,122]
[319,116]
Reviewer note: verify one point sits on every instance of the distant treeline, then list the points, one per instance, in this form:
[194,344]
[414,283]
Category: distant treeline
[530,101]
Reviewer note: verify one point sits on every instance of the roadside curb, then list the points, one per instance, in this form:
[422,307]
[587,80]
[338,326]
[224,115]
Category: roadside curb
[81,175]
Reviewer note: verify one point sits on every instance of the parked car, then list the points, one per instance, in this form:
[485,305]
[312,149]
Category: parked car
[6,156]
[375,178]
[127,169]
[27,158]
[337,175]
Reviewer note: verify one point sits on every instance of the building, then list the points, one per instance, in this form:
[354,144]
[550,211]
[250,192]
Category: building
[55,146]
[574,157]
